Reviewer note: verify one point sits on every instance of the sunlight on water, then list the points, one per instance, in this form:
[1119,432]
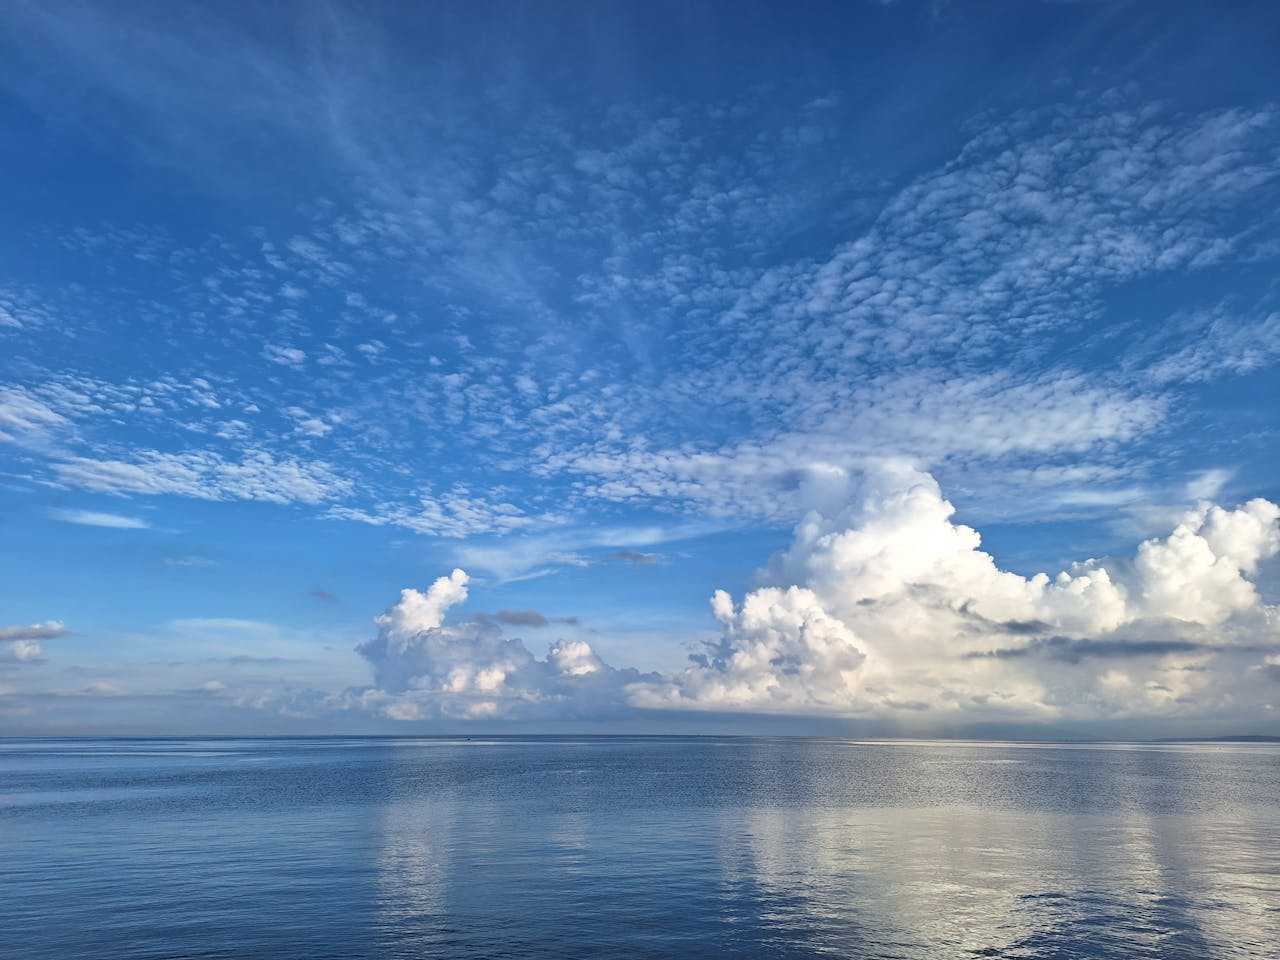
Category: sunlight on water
[637,847]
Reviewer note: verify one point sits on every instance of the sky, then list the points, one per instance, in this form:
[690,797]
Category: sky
[879,369]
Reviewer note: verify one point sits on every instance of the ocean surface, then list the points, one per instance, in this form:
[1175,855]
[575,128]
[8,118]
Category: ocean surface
[636,847]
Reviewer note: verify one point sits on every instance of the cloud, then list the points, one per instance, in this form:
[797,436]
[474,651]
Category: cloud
[781,651]
[884,600]
[455,513]
[21,309]
[932,325]
[1071,650]
[528,556]
[23,417]
[307,425]
[90,518]
[525,618]
[884,607]
[1222,344]
[521,618]
[99,688]
[21,651]
[1208,484]
[638,558]
[424,668]
[190,560]
[19,644]
[206,475]
[36,631]
[285,356]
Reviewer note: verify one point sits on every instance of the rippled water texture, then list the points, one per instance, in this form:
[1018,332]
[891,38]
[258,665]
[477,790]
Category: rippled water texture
[636,847]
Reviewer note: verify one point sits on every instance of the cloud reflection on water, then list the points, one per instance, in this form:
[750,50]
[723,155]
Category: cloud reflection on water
[1147,855]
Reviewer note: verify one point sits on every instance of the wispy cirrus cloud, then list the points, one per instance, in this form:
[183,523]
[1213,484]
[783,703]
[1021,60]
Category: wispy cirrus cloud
[93,518]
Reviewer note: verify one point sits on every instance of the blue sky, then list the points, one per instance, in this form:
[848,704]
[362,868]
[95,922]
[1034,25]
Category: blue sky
[863,314]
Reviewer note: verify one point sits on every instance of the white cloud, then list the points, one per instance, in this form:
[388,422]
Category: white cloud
[313,427]
[933,418]
[930,328]
[524,557]
[21,651]
[425,668]
[885,607]
[206,475]
[23,416]
[21,309]
[36,631]
[455,513]
[286,356]
[19,644]
[885,604]
[1200,572]
[780,651]
[1208,484]
[190,560]
[418,612]
[91,518]
[1221,344]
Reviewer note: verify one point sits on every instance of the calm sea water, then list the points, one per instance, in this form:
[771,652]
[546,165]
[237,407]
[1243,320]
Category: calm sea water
[636,847]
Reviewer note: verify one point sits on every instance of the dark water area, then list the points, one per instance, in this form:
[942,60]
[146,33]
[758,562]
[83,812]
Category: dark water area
[636,847]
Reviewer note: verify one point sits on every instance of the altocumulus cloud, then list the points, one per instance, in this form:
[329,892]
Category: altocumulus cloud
[884,607]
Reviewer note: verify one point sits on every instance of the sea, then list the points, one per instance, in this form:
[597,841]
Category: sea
[603,847]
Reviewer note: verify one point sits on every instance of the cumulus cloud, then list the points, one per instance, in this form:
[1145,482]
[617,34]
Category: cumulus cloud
[779,650]
[884,606]
[21,651]
[19,644]
[425,668]
[883,603]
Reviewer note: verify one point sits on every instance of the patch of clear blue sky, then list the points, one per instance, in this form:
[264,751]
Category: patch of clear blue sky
[158,156]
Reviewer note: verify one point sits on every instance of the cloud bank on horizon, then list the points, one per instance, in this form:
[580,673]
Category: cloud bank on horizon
[297,309]
[885,608]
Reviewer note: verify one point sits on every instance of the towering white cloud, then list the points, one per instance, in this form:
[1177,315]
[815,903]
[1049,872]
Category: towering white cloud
[425,668]
[418,612]
[883,604]
[780,650]
[1199,573]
